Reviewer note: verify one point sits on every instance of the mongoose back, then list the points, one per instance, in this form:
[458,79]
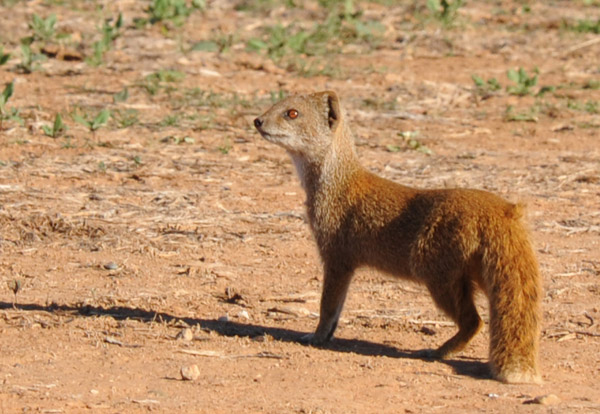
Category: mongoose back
[452,240]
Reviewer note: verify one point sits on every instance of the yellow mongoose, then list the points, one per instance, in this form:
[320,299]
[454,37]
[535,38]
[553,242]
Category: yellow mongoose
[452,240]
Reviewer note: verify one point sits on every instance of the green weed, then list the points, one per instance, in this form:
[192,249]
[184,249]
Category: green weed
[7,114]
[3,56]
[410,141]
[591,107]
[263,6]
[67,144]
[175,11]
[528,116]
[226,147]
[485,88]
[221,43]
[584,26]
[121,96]
[170,120]
[57,128]
[109,33]
[523,81]
[200,98]
[444,11]
[206,46]
[43,29]
[125,118]
[92,123]
[155,82]
[29,59]
[343,25]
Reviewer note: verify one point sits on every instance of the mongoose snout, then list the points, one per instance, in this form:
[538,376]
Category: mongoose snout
[454,241]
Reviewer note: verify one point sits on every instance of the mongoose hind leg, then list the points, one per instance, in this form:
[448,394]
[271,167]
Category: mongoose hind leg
[457,302]
[335,287]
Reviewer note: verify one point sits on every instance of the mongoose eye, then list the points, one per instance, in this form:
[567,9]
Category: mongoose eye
[292,114]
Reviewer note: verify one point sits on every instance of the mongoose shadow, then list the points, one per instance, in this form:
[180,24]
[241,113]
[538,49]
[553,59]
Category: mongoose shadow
[466,367]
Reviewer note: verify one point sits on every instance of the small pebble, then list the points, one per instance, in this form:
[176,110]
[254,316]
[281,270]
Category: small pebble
[548,399]
[111,266]
[244,314]
[223,318]
[185,335]
[190,372]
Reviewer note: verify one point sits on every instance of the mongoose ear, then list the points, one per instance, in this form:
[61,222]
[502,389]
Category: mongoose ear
[332,108]
[334,114]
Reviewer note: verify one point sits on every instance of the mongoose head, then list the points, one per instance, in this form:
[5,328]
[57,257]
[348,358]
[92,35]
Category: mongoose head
[303,124]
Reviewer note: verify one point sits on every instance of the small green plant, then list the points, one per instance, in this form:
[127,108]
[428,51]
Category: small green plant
[444,11]
[57,128]
[205,46]
[585,26]
[591,107]
[226,147]
[411,142]
[3,56]
[512,115]
[121,96]
[263,6]
[29,59]
[125,118]
[8,91]
[95,123]
[102,167]
[109,34]
[343,25]
[43,29]
[67,144]
[6,113]
[175,11]
[485,88]
[170,120]
[155,82]
[523,81]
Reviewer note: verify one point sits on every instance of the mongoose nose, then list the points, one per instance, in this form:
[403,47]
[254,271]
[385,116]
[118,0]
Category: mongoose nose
[258,122]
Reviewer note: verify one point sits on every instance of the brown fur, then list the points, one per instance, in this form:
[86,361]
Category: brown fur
[451,240]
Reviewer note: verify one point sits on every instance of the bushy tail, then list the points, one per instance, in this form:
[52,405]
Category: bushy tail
[513,285]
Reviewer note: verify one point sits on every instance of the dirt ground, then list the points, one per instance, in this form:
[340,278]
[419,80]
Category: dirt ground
[173,235]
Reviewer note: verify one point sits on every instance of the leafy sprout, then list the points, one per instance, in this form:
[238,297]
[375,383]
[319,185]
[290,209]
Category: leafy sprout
[57,128]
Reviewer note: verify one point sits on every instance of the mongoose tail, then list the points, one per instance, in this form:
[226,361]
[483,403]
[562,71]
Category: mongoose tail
[511,273]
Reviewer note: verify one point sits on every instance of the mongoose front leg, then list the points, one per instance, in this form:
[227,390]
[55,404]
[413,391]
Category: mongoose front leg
[335,286]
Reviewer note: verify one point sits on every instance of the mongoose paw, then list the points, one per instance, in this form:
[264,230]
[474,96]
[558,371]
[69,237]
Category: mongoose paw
[519,377]
[311,339]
